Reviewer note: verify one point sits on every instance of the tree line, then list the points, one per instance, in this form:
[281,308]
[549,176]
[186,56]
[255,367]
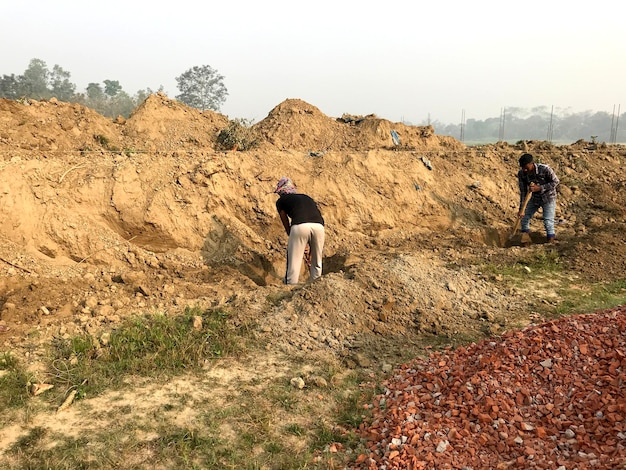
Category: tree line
[540,123]
[200,87]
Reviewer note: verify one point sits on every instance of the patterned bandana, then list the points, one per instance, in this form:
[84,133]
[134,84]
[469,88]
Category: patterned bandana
[285,186]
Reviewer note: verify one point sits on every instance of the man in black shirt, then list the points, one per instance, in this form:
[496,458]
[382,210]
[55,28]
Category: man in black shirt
[304,225]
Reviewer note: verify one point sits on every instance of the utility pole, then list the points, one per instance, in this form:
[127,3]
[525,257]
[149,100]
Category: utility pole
[501,130]
[619,106]
[463,125]
[614,124]
[551,125]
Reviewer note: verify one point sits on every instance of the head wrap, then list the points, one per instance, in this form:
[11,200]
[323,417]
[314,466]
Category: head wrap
[285,186]
[525,159]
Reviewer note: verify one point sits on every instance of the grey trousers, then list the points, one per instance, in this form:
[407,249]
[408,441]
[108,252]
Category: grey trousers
[300,235]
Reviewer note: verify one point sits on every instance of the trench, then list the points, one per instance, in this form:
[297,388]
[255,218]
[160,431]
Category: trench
[502,238]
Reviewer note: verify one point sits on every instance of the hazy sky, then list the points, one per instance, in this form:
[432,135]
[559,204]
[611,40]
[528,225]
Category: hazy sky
[403,60]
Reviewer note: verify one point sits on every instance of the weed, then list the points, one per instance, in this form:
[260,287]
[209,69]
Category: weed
[14,382]
[283,396]
[351,412]
[102,140]
[239,135]
[295,429]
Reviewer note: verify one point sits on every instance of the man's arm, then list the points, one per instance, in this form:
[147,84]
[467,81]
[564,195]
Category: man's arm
[552,181]
[285,220]
[523,188]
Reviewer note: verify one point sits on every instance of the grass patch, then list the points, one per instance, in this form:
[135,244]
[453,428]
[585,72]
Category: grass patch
[14,382]
[156,345]
[544,270]
[532,266]
[67,453]
[595,297]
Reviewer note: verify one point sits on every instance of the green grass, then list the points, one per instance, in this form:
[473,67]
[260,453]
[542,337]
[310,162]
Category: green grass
[596,297]
[14,382]
[531,266]
[154,346]
[536,268]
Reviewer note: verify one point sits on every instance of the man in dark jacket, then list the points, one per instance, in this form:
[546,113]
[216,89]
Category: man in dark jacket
[541,181]
[304,225]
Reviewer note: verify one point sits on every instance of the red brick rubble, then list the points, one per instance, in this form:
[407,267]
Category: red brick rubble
[551,396]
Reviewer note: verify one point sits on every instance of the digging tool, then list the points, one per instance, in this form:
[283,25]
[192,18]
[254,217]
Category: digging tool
[529,194]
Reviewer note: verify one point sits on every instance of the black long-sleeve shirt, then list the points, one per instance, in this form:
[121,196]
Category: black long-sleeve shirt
[300,208]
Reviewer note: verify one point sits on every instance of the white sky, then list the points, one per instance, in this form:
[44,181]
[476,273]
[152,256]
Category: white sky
[403,60]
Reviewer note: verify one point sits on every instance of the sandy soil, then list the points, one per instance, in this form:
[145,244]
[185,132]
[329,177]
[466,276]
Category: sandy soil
[102,219]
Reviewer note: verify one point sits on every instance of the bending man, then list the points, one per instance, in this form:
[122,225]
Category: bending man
[304,225]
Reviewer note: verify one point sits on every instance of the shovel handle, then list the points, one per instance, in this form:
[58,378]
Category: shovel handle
[522,210]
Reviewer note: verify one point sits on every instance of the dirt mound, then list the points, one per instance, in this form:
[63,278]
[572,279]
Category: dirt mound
[384,295]
[185,223]
[297,125]
[54,126]
[549,396]
[105,219]
[163,124]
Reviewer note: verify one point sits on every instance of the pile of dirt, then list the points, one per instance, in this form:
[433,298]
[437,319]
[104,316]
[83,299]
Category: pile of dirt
[121,231]
[548,396]
[103,219]
[396,296]
[53,126]
[166,125]
[297,125]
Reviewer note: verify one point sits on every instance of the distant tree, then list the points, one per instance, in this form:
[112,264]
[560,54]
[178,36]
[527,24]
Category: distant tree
[202,88]
[60,85]
[141,96]
[119,105]
[34,82]
[9,87]
[94,92]
[112,87]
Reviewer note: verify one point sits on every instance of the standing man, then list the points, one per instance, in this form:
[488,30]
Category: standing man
[541,180]
[304,225]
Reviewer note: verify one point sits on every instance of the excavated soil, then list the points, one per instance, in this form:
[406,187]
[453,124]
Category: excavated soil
[104,219]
